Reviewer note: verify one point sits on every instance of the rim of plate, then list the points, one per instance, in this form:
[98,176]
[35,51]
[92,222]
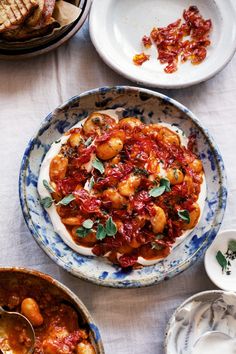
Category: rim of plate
[109,60]
[112,282]
[52,44]
[82,307]
[190,299]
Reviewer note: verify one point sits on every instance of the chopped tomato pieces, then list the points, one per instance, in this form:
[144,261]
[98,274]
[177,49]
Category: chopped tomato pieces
[139,59]
[170,44]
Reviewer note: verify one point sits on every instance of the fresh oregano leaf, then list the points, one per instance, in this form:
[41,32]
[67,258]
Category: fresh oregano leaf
[232,245]
[91,183]
[184,215]
[82,232]
[48,186]
[101,232]
[88,224]
[157,191]
[98,165]
[165,182]
[47,202]
[111,228]
[221,260]
[66,200]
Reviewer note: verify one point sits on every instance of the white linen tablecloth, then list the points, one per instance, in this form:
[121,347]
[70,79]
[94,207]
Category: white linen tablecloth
[131,321]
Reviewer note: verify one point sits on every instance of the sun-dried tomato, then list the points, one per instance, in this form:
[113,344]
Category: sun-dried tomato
[87,203]
[84,156]
[139,202]
[67,185]
[127,261]
[146,41]
[170,44]
[139,59]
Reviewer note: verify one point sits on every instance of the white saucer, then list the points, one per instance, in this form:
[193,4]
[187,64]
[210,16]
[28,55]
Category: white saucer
[213,269]
[117,27]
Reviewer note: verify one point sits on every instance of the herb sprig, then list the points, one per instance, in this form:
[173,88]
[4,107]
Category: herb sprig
[163,187]
[48,201]
[66,200]
[225,259]
[98,165]
[48,186]
[109,229]
[184,215]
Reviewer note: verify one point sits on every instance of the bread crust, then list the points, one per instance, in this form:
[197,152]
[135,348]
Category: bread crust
[24,32]
[14,12]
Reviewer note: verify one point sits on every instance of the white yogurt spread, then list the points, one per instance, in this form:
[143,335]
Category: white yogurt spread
[60,228]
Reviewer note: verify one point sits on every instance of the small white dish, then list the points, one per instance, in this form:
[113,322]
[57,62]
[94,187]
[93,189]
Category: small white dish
[117,27]
[207,312]
[213,268]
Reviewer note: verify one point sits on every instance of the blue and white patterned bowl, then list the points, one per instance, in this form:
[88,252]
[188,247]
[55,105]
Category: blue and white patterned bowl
[150,107]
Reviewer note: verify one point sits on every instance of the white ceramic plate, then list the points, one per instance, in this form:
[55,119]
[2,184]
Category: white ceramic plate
[213,269]
[117,26]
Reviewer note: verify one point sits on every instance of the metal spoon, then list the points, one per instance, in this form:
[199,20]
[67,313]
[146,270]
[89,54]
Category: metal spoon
[214,334]
[9,321]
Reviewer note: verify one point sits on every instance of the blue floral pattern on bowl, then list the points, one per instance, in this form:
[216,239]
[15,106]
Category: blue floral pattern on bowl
[150,107]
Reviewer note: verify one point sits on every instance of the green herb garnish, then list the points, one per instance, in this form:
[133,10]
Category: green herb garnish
[225,259]
[111,228]
[91,183]
[157,191]
[48,186]
[85,229]
[66,200]
[98,165]
[82,232]
[101,232]
[165,182]
[184,215]
[46,202]
[164,187]
[232,245]
[88,224]
[221,260]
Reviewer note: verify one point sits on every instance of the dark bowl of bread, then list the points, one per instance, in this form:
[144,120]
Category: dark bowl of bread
[33,27]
